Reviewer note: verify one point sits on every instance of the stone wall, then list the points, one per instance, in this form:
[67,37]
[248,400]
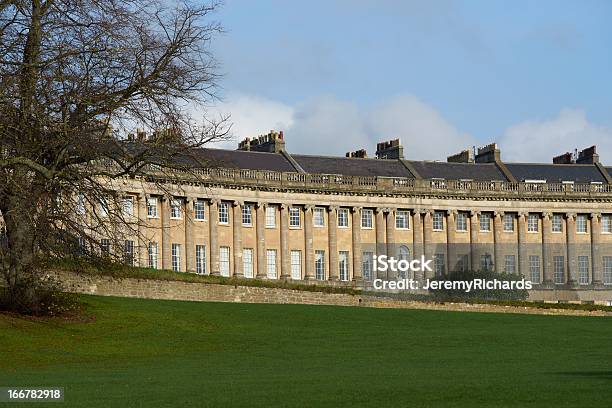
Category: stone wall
[205,292]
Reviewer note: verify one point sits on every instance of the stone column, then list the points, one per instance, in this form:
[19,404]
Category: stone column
[546,248]
[189,238]
[570,230]
[392,250]
[284,238]
[143,247]
[237,237]
[357,250]
[523,260]
[498,255]
[474,244]
[164,203]
[381,247]
[214,238]
[260,225]
[596,257]
[427,241]
[451,242]
[332,240]
[417,240]
[309,271]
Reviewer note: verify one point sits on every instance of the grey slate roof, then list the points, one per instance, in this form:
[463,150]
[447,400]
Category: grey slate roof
[556,173]
[239,159]
[352,166]
[458,171]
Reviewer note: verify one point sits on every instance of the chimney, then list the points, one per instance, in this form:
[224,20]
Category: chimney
[273,142]
[588,156]
[465,156]
[488,154]
[391,149]
[358,154]
[565,158]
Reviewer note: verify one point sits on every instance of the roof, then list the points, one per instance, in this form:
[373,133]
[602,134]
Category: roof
[352,166]
[556,173]
[240,159]
[458,171]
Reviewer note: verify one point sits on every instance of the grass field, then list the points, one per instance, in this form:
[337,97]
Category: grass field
[166,353]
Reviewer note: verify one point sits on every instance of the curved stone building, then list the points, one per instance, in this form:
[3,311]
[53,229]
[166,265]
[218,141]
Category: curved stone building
[260,212]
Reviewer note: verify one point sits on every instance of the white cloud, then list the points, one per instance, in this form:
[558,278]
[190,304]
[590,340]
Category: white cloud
[539,141]
[329,126]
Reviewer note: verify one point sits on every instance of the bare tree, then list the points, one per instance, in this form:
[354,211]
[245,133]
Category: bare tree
[76,75]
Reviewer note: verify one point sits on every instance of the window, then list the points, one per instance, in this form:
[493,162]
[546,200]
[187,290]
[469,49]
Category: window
[607,270]
[557,223]
[80,204]
[439,267]
[403,254]
[508,223]
[175,209]
[461,222]
[318,217]
[534,268]
[581,224]
[533,221]
[200,210]
[462,263]
[271,263]
[294,217]
[402,219]
[128,206]
[510,264]
[559,265]
[320,265]
[606,224]
[176,257]
[128,252]
[486,262]
[485,222]
[343,218]
[224,261]
[247,265]
[270,216]
[247,215]
[438,221]
[105,246]
[223,213]
[366,218]
[103,205]
[152,207]
[583,270]
[367,265]
[153,255]
[201,259]
[296,265]
[343,265]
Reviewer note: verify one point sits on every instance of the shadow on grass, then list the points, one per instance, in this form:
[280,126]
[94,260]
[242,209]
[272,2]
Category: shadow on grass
[598,375]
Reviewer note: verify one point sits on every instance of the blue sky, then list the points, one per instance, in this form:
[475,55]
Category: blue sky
[441,75]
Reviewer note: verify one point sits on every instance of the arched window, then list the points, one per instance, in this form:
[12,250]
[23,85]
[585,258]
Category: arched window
[403,253]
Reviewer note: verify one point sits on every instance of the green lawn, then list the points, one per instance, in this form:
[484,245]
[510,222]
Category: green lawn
[167,353]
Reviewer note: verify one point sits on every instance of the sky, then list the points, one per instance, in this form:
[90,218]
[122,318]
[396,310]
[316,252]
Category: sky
[441,75]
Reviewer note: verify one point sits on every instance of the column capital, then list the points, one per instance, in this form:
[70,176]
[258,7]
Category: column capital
[524,214]
[379,210]
[452,212]
[419,211]
[333,208]
[356,209]
[261,204]
[215,201]
[595,216]
[237,203]
[283,206]
[474,213]
[571,216]
[498,213]
[309,207]
[546,215]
